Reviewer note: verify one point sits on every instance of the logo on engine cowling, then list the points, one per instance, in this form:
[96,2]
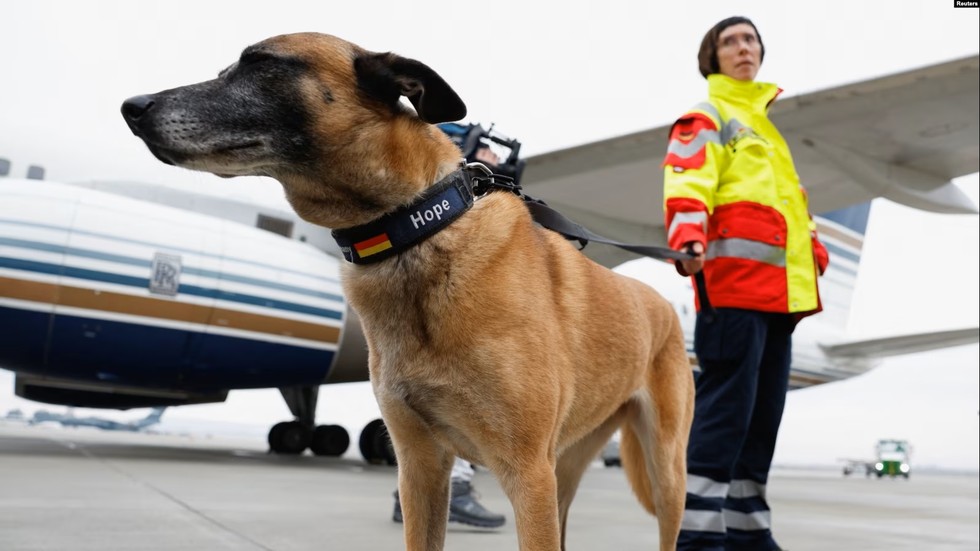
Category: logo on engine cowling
[165,274]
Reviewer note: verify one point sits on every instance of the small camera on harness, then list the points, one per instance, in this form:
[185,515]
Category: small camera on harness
[475,142]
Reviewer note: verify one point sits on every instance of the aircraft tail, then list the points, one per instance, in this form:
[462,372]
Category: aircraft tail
[903,344]
[842,232]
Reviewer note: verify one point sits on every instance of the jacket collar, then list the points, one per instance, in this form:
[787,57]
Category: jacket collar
[753,94]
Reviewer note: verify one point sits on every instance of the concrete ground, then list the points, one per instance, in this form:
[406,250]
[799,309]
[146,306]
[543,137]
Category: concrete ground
[87,490]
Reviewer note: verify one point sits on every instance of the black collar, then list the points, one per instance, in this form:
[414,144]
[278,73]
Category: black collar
[408,226]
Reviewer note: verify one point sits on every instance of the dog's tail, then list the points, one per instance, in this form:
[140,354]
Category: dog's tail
[654,436]
[635,465]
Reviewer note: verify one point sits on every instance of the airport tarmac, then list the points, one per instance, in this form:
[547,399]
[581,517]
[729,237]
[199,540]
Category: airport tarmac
[88,490]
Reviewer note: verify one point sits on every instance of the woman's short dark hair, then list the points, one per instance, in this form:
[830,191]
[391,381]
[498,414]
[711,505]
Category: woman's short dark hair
[708,54]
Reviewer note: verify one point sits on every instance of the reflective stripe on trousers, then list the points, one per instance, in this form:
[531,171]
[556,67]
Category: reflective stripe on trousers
[743,494]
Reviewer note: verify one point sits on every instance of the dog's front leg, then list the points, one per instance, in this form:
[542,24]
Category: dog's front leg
[423,484]
[533,491]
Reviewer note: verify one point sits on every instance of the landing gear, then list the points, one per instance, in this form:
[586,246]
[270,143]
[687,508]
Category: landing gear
[293,437]
[376,445]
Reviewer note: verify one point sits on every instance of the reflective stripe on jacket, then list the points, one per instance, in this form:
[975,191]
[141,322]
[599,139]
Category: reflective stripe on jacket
[730,184]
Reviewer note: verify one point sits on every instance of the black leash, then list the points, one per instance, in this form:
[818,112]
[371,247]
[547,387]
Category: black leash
[557,222]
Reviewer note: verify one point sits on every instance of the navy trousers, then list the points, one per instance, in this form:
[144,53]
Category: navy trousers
[744,357]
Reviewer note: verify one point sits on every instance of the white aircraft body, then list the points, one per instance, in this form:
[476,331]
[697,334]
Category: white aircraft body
[122,295]
[109,301]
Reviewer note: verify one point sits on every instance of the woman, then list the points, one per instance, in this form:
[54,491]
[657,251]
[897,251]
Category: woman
[733,199]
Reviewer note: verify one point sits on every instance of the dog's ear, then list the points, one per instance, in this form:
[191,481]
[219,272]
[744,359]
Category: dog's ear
[387,77]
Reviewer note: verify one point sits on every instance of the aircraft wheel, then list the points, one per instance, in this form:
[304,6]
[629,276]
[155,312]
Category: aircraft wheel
[289,437]
[375,444]
[274,433]
[330,440]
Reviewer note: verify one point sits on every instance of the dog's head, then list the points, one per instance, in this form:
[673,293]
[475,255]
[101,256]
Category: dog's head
[319,114]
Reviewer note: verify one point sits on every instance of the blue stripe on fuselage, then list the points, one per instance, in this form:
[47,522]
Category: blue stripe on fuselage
[144,283]
[143,263]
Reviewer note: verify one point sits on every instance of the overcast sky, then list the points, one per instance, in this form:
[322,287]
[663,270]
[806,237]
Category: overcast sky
[552,74]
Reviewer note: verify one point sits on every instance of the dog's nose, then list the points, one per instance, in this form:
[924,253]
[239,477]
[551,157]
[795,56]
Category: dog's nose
[136,107]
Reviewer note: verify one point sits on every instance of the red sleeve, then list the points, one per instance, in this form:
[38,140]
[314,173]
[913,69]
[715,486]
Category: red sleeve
[820,254]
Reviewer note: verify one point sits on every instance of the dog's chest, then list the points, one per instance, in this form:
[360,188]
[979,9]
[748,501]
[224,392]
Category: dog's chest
[450,411]
[433,401]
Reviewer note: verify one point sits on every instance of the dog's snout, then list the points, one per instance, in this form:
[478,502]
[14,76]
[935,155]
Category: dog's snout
[135,107]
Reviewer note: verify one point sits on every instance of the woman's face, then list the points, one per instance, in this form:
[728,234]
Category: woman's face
[739,52]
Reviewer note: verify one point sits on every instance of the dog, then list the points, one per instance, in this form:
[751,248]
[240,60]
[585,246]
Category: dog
[492,339]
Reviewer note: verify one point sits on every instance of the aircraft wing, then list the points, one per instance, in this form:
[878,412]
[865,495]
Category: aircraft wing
[902,136]
[903,344]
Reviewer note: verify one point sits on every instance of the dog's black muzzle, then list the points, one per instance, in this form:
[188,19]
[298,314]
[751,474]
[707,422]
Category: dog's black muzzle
[134,107]
[134,110]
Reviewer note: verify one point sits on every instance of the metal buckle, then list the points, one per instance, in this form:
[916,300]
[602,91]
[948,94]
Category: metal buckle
[483,184]
[481,167]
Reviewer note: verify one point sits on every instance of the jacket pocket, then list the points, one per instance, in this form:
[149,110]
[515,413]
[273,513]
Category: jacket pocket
[748,220]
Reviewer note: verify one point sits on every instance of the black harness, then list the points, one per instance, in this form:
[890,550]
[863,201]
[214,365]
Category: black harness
[446,201]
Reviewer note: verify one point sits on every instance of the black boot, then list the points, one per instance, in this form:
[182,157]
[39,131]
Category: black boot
[465,509]
[396,515]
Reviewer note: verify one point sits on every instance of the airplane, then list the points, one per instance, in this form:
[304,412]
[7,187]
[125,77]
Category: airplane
[69,420]
[123,295]
[14,415]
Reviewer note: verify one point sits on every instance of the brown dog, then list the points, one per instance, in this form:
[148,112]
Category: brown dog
[492,339]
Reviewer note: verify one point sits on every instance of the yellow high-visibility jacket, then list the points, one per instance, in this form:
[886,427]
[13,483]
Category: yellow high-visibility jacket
[730,184]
